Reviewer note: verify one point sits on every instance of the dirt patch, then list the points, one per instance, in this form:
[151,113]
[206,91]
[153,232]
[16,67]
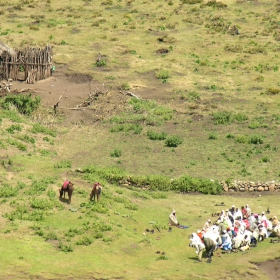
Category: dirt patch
[79,78]
[161,51]
[271,268]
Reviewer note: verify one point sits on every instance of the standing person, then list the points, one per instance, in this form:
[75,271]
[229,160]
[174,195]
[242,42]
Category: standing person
[173,219]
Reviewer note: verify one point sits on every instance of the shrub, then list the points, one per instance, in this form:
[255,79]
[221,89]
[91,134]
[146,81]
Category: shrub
[223,117]
[8,191]
[272,91]
[101,62]
[265,159]
[50,236]
[189,184]
[26,138]
[255,139]
[212,136]
[63,164]
[16,143]
[37,128]
[116,153]
[163,74]
[24,103]
[84,241]
[156,136]
[14,127]
[41,203]
[124,86]
[173,141]
[127,127]
[65,248]
[241,139]
[240,117]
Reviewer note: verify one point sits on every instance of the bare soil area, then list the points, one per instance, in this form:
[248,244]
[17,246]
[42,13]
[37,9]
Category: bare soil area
[72,91]
[271,268]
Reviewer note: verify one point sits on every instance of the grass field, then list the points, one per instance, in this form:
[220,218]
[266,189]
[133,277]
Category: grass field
[209,109]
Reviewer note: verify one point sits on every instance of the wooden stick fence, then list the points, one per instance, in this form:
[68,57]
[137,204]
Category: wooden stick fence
[29,65]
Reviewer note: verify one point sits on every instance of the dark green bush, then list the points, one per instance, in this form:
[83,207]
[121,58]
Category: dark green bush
[116,153]
[255,139]
[156,136]
[13,127]
[84,241]
[173,141]
[8,191]
[65,248]
[24,103]
[190,184]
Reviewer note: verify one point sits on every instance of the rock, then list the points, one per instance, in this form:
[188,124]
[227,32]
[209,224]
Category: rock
[271,187]
[251,189]
[260,189]
[225,187]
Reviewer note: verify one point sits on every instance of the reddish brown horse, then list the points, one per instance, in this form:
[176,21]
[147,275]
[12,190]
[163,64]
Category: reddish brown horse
[96,191]
[69,189]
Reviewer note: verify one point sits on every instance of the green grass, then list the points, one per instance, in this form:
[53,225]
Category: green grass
[213,98]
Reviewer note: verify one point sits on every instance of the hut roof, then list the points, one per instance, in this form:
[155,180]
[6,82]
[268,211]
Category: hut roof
[5,48]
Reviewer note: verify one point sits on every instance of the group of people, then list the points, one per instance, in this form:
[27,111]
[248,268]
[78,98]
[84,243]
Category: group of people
[235,229]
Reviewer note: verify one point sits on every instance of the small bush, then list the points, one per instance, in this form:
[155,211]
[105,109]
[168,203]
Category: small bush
[63,164]
[84,241]
[272,91]
[212,136]
[65,248]
[101,62]
[156,136]
[24,103]
[8,191]
[50,236]
[41,203]
[37,128]
[255,139]
[265,159]
[241,139]
[26,138]
[173,141]
[13,127]
[116,153]
[223,117]
[16,143]
[163,74]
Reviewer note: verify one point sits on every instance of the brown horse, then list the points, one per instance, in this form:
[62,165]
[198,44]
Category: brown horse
[69,190]
[96,191]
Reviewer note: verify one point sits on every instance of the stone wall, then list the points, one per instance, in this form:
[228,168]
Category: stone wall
[241,186]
